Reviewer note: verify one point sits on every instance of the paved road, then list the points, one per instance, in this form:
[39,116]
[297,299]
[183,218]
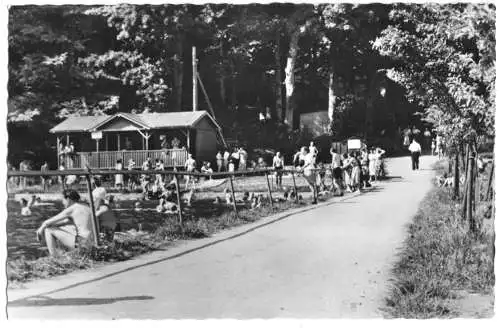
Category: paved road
[332,261]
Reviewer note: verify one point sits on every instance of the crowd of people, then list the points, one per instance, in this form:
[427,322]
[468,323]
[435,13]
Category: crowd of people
[72,227]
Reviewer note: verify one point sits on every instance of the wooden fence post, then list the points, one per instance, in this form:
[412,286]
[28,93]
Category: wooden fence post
[464,199]
[232,193]
[95,225]
[179,201]
[269,190]
[490,180]
[295,188]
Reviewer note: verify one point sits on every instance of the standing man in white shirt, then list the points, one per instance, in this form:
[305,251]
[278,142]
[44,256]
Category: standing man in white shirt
[415,151]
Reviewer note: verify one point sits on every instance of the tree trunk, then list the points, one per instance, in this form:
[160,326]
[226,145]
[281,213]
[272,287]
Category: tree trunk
[456,179]
[179,74]
[462,155]
[222,78]
[331,100]
[279,94]
[290,77]
[470,192]
[370,98]
[233,89]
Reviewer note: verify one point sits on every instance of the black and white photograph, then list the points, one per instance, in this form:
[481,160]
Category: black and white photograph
[273,160]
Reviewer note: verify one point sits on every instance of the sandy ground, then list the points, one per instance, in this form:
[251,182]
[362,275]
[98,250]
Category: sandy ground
[332,261]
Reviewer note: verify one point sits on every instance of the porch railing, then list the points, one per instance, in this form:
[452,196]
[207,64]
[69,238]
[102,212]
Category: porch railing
[107,159]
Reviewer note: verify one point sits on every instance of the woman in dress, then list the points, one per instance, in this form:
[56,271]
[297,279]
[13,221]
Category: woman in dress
[372,166]
[379,163]
[347,169]
[355,173]
[365,162]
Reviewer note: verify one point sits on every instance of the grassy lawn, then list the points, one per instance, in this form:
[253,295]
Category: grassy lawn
[28,260]
[442,263]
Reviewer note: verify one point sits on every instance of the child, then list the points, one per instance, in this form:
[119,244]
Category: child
[131,181]
[206,169]
[25,210]
[227,195]
[119,177]
[321,177]
[137,206]
[190,166]
[106,217]
[160,207]
[231,166]
[220,161]
[159,166]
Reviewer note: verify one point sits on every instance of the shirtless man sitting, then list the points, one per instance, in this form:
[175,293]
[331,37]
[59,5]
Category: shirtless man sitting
[71,228]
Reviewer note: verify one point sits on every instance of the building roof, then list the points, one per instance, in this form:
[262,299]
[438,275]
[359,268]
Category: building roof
[148,121]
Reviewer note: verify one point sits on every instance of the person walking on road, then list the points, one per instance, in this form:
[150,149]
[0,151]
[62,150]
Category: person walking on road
[415,151]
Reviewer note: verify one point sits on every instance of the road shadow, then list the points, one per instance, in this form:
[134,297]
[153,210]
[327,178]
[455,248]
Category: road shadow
[48,301]
[391,178]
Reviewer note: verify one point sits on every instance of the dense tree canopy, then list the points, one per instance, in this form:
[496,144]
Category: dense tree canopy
[445,58]
[293,59]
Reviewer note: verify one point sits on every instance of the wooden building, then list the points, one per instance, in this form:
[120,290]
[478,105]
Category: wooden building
[99,141]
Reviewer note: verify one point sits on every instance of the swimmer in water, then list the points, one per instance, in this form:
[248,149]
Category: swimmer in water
[26,208]
[37,201]
[137,206]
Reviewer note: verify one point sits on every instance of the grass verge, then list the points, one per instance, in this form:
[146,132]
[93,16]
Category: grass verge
[441,259]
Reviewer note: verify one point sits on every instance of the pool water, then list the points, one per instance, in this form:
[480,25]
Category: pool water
[21,230]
